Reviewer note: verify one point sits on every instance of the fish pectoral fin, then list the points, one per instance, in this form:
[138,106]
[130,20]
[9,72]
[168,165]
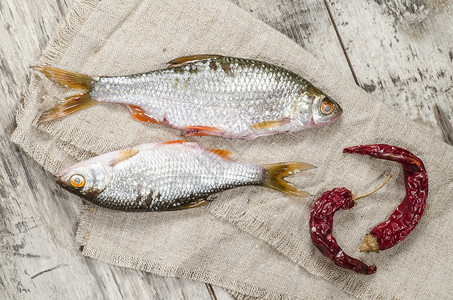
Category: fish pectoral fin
[139,114]
[197,134]
[122,156]
[222,153]
[206,129]
[192,204]
[188,59]
[175,142]
[271,124]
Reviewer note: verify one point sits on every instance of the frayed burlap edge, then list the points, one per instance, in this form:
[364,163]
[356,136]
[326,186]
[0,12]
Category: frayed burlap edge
[57,46]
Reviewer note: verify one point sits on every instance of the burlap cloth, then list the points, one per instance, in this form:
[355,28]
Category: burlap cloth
[253,241]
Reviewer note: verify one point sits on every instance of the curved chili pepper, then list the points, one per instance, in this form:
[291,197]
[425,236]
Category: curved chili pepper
[321,223]
[404,219]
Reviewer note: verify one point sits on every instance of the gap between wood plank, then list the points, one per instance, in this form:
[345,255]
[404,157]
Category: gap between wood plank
[211,291]
[341,41]
[444,124]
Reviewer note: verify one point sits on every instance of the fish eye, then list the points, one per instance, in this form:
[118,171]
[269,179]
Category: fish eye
[77,181]
[326,107]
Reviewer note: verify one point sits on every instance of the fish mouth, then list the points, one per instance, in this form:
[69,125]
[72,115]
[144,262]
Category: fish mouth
[63,172]
[336,114]
[60,182]
[59,175]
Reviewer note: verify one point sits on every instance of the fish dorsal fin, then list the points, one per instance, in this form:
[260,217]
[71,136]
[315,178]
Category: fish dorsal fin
[189,59]
[174,142]
[195,203]
[122,156]
[222,153]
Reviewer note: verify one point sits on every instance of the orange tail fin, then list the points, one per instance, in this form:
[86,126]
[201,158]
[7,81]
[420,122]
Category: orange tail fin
[70,80]
[67,106]
[66,78]
[277,172]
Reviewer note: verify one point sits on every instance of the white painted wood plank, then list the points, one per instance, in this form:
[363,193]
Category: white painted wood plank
[305,22]
[221,294]
[284,17]
[402,53]
[39,257]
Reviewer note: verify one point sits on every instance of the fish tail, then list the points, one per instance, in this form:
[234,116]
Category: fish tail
[70,80]
[67,106]
[66,78]
[277,172]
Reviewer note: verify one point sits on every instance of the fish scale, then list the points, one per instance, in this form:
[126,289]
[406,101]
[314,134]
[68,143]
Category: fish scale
[168,175]
[171,175]
[225,96]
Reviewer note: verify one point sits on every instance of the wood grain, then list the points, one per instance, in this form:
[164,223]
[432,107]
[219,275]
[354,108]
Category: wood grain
[39,257]
[305,22]
[399,51]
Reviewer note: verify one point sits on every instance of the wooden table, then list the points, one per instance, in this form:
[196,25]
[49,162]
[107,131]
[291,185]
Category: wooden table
[400,53]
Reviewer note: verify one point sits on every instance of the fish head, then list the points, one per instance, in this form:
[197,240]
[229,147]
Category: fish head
[86,179]
[324,110]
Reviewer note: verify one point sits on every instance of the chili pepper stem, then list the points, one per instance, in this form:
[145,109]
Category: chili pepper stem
[369,244]
[376,189]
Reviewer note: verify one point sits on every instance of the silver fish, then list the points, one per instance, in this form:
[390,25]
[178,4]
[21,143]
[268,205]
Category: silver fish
[168,176]
[206,95]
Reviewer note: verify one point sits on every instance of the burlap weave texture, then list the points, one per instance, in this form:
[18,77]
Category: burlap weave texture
[253,241]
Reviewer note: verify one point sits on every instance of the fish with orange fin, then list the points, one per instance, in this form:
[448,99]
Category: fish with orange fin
[169,176]
[205,95]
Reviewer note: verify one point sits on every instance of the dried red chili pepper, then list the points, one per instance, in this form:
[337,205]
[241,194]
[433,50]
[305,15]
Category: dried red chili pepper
[321,223]
[404,219]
